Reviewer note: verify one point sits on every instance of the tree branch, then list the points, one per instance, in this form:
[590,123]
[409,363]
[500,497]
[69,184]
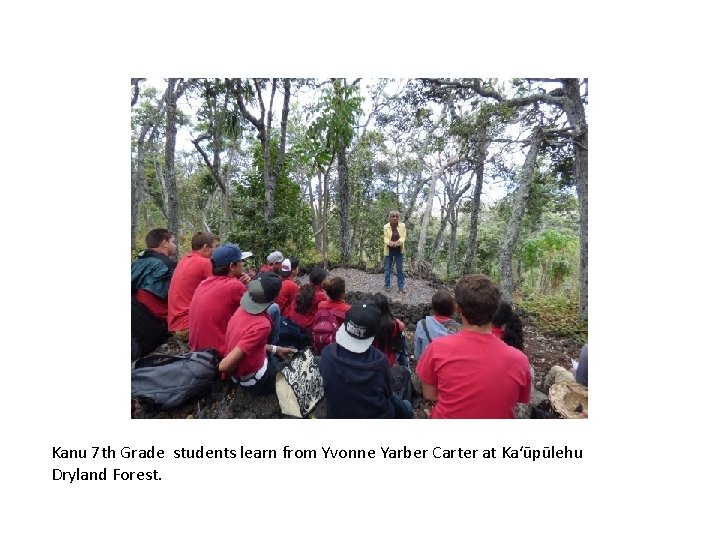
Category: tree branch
[243,109]
[136,91]
[213,172]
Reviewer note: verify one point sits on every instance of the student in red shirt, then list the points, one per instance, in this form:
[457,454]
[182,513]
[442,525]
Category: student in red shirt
[190,271]
[330,314]
[150,290]
[217,297]
[303,309]
[474,374]
[249,361]
[150,276]
[274,262]
[335,290]
[289,289]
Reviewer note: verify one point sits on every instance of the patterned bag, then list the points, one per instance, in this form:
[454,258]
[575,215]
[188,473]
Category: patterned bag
[299,385]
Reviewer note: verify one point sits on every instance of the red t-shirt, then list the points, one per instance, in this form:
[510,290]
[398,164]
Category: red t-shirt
[190,271]
[477,376]
[155,305]
[288,292]
[249,333]
[212,305]
[306,319]
[335,305]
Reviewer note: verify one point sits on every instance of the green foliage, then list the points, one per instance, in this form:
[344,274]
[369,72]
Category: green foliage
[556,315]
[290,229]
[550,259]
[339,107]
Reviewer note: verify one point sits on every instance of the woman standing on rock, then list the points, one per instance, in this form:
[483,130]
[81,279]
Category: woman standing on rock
[393,248]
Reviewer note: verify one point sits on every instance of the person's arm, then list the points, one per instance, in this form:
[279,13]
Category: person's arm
[429,392]
[387,232]
[402,233]
[283,352]
[227,364]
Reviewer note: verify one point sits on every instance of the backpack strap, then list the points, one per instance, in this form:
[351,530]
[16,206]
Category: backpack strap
[424,325]
[156,360]
[160,359]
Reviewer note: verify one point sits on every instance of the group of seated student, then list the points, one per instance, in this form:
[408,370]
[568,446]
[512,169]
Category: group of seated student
[472,373]
[472,369]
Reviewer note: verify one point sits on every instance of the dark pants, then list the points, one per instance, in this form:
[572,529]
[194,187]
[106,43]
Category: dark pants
[266,384]
[397,260]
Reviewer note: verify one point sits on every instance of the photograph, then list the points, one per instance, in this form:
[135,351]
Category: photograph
[359,248]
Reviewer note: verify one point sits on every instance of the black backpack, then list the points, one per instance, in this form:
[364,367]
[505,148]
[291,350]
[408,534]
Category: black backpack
[165,381]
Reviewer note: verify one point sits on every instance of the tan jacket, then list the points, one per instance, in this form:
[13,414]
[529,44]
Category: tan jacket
[387,233]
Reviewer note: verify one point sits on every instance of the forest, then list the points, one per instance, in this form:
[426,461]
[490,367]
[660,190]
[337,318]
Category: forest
[489,175]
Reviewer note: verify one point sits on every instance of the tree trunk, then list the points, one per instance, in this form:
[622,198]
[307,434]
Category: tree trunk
[575,111]
[344,196]
[138,188]
[173,205]
[452,246]
[268,179]
[439,238]
[420,256]
[317,213]
[519,205]
[478,162]
[326,203]
[273,170]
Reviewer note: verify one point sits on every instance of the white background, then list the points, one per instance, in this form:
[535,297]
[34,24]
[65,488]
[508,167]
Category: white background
[648,464]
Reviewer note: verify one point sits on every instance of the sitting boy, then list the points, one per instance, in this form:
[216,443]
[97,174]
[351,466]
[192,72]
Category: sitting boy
[246,361]
[439,324]
[356,375]
[474,374]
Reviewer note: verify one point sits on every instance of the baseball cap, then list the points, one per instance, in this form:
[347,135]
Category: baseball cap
[275,257]
[229,253]
[261,292]
[360,326]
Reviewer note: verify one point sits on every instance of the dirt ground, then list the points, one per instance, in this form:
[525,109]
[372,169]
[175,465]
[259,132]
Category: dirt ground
[225,402]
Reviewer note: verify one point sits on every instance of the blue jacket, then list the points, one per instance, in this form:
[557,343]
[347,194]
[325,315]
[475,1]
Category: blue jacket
[152,271]
[357,385]
[435,329]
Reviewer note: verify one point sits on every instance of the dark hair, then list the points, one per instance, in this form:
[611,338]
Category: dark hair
[156,237]
[220,270]
[317,275]
[478,298]
[443,304]
[305,296]
[386,324]
[200,239]
[510,321]
[335,288]
[294,263]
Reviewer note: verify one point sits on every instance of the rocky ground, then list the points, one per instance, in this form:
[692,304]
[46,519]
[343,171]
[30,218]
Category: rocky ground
[225,402]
